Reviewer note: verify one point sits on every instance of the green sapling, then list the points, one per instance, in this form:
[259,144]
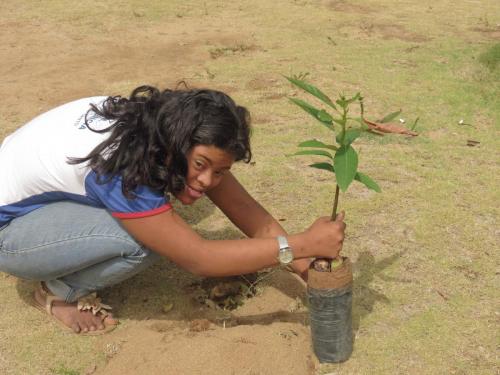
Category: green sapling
[341,157]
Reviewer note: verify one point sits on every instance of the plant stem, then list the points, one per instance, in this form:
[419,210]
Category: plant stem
[336,262]
[335,202]
[344,123]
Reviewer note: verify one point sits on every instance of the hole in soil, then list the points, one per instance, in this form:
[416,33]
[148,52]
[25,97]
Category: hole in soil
[227,293]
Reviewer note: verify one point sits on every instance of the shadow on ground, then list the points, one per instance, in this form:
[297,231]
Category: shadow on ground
[366,268]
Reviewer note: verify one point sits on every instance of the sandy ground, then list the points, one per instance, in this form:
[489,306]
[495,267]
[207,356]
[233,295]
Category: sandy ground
[267,335]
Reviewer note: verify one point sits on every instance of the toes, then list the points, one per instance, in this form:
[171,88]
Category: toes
[81,322]
[75,327]
[101,324]
[89,322]
[110,321]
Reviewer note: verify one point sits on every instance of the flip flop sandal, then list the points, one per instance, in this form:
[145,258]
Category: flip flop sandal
[88,303]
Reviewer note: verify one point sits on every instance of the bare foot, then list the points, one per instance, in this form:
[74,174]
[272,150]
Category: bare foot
[78,321]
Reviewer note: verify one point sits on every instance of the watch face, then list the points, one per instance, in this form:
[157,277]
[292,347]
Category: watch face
[286,256]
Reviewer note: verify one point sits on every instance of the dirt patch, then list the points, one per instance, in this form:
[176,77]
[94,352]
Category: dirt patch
[276,96]
[268,334]
[490,32]
[226,293]
[154,52]
[392,31]
[261,83]
[256,120]
[487,28]
[258,350]
[349,7]
[237,49]
[437,134]
[199,325]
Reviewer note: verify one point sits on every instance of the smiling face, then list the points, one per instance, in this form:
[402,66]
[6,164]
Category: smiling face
[206,167]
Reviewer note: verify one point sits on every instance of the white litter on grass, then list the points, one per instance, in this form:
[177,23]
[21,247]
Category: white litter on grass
[402,120]
[461,122]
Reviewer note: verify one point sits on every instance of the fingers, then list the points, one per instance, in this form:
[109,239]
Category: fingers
[326,237]
[339,219]
[340,216]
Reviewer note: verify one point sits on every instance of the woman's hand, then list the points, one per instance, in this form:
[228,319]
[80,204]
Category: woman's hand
[324,238]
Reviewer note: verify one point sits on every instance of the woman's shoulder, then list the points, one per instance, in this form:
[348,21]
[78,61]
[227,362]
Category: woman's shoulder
[68,112]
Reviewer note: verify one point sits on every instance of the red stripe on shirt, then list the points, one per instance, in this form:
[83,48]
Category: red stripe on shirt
[136,215]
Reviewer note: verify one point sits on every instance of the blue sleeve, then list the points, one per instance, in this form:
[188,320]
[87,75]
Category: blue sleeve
[146,201]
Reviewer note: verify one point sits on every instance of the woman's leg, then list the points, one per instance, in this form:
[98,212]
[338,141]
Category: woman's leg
[75,249]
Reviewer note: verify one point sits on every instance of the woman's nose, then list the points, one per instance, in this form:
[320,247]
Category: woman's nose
[205,179]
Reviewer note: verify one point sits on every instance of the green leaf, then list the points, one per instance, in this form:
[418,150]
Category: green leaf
[316,143]
[324,116]
[324,166]
[390,117]
[320,115]
[313,90]
[367,181]
[338,121]
[346,165]
[314,152]
[350,136]
[415,123]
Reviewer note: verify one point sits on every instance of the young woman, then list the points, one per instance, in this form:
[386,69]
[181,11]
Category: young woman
[85,199]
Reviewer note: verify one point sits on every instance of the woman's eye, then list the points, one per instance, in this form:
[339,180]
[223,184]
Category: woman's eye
[198,164]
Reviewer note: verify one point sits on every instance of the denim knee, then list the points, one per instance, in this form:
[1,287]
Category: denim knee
[143,255]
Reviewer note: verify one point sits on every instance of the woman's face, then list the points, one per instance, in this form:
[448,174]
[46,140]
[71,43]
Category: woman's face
[206,167]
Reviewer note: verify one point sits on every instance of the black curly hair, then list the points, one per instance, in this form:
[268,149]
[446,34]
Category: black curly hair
[152,131]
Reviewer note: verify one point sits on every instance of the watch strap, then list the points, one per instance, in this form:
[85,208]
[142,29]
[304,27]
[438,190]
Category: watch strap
[283,243]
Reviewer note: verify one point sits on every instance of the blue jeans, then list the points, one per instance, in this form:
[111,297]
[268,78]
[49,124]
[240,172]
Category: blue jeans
[75,249]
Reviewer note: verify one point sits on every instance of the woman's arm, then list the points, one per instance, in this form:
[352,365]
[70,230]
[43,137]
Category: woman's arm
[169,235]
[249,216]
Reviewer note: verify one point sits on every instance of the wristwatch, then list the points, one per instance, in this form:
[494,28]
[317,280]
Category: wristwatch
[285,254]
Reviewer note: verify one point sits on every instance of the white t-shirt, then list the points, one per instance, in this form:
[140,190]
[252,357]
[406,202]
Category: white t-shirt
[34,167]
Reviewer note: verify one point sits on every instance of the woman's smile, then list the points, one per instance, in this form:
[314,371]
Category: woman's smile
[194,193]
[206,168]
